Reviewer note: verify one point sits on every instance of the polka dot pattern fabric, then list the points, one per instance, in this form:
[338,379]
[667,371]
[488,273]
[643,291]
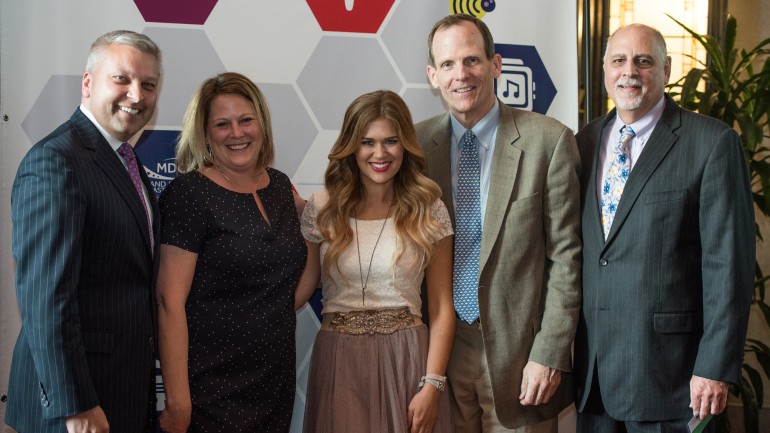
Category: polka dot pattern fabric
[240,310]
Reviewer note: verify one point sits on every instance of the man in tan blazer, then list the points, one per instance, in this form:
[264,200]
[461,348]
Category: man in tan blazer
[510,364]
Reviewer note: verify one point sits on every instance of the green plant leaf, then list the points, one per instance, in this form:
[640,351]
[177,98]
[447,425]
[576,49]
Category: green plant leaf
[731,30]
[765,309]
[712,48]
[755,383]
[763,358]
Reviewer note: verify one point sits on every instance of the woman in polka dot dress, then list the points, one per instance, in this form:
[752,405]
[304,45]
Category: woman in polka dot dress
[230,259]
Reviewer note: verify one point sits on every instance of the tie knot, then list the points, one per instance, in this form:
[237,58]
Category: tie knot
[469,139]
[626,133]
[126,152]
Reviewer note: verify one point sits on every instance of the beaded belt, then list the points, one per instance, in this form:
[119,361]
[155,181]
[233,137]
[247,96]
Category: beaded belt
[372,321]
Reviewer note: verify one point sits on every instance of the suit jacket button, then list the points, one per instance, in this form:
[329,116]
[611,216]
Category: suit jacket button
[151,341]
[603,262]
[44,402]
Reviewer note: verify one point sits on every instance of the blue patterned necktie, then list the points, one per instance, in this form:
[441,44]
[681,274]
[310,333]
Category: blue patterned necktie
[129,157]
[615,181]
[468,230]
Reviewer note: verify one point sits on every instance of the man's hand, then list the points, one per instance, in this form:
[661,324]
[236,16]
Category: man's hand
[707,396]
[538,384]
[91,421]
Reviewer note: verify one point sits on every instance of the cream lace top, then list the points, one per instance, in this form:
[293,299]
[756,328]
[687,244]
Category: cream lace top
[390,284]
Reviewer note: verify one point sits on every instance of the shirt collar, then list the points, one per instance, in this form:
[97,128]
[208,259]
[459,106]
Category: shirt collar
[644,126]
[113,142]
[484,129]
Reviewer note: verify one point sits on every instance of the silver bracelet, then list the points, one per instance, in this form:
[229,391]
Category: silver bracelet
[438,381]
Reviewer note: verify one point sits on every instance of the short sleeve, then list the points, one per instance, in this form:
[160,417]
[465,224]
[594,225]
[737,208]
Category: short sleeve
[183,220]
[308,223]
[439,213]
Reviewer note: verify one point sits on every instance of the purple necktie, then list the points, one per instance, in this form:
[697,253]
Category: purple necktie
[127,152]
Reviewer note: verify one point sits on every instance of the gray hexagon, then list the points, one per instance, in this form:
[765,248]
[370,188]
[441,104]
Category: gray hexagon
[293,129]
[309,177]
[359,66]
[188,59]
[424,103]
[249,34]
[406,36]
[54,105]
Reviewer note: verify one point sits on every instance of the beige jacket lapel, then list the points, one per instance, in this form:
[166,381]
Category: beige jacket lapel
[505,166]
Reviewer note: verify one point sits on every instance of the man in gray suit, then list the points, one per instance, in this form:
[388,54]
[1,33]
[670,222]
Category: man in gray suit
[517,265]
[668,252]
[85,231]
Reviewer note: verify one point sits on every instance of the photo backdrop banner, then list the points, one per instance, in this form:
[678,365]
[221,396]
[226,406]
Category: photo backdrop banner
[311,58]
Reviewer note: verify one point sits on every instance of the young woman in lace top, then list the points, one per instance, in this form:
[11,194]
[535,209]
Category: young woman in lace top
[374,233]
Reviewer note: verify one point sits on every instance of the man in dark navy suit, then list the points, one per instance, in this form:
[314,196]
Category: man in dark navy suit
[668,252]
[85,230]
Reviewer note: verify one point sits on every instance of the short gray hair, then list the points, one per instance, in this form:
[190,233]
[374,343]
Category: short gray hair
[122,37]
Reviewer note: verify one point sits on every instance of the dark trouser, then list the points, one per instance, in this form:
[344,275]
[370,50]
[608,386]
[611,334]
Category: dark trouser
[594,419]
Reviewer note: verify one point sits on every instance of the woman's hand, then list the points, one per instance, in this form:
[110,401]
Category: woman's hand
[175,420]
[423,409]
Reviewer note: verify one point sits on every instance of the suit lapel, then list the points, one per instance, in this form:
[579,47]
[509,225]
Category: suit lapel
[657,147]
[591,198]
[109,162]
[505,166]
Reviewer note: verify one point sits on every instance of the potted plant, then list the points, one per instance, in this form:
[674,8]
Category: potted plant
[730,88]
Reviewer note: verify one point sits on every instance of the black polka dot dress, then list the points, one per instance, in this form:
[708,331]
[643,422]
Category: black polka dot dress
[240,310]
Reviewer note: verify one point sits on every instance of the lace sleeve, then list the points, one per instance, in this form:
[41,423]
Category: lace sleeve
[439,212]
[308,222]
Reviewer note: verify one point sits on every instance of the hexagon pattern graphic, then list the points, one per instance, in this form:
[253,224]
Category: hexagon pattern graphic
[424,103]
[406,28]
[359,16]
[330,87]
[524,82]
[293,129]
[188,59]
[267,47]
[155,149]
[175,11]
[310,58]
[54,105]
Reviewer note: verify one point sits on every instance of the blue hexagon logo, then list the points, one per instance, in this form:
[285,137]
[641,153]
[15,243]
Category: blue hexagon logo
[156,150]
[524,82]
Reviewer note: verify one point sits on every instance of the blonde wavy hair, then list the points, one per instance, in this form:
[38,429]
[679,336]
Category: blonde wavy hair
[192,152]
[413,193]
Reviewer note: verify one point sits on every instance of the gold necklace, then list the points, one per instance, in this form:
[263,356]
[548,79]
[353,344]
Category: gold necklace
[365,283]
[222,172]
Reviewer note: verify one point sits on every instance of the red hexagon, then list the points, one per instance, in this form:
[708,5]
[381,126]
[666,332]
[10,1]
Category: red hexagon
[364,16]
[175,11]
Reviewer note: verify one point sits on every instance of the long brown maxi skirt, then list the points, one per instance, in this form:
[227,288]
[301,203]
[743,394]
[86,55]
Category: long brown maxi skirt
[364,383]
